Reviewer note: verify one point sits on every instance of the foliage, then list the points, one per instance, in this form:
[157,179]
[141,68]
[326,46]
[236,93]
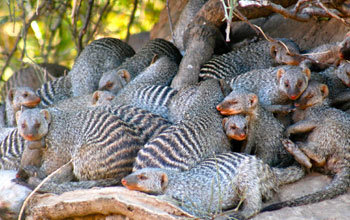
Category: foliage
[56,31]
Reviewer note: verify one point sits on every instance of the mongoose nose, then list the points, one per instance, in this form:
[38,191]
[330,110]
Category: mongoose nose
[124,182]
[296,104]
[242,135]
[218,107]
[293,97]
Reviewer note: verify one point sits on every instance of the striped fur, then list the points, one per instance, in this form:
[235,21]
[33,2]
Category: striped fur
[33,76]
[195,137]
[98,57]
[154,98]
[11,149]
[238,61]
[101,144]
[143,58]
[54,91]
[216,183]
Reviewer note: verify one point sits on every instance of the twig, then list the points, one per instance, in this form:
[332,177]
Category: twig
[32,17]
[101,13]
[331,13]
[38,187]
[86,24]
[132,17]
[170,20]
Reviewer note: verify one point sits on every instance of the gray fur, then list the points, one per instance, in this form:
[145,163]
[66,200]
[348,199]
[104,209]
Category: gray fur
[194,137]
[216,183]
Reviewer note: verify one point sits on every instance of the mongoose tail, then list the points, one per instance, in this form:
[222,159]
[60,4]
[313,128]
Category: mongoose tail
[338,186]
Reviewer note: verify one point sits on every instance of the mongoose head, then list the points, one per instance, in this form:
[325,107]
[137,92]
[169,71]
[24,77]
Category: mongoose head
[236,127]
[343,72]
[279,52]
[237,102]
[293,81]
[315,94]
[114,80]
[344,52]
[102,98]
[33,124]
[22,96]
[149,180]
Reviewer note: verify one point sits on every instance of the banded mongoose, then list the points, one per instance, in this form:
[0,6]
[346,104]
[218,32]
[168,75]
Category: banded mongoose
[216,183]
[101,145]
[196,136]
[98,57]
[257,55]
[149,90]
[11,150]
[250,126]
[34,76]
[137,63]
[16,98]
[276,87]
[327,144]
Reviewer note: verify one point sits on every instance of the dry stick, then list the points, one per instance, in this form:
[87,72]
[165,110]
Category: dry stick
[24,32]
[86,24]
[170,20]
[132,17]
[258,30]
[37,188]
[73,10]
[332,14]
[19,37]
[74,24]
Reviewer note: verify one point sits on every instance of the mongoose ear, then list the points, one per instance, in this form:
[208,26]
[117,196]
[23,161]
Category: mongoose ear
[18,114]
[225,87]
[273,51]
[224,120]
[164,181]
[11,95]
[324,90]
[95,97]
[46,114]
[280,73]
[125,75]
[307,72]
[253,100]
[154,59]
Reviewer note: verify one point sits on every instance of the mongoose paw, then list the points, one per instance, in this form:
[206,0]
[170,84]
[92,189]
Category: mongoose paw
[30,171]
[298,155]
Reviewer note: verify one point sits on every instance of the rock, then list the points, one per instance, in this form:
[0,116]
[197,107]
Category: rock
[114,202]
[333,209]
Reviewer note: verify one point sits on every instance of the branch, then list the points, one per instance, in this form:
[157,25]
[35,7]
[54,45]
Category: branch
[132,16]
[170,20]
[101,13]
[32,17]
[86,24]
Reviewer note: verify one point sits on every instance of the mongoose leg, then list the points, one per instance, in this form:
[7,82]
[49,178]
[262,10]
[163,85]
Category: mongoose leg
[297,153]
[303,126]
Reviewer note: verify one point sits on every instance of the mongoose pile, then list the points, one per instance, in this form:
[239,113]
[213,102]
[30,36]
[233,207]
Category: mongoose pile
[327,144]
[177,141]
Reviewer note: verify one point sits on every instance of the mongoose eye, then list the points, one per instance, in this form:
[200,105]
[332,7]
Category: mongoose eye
[142,177]
[310,96]
[300,84]
[286,84]
[25,95]
[23,125]
[233,102]
[233,127]
[109,84]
